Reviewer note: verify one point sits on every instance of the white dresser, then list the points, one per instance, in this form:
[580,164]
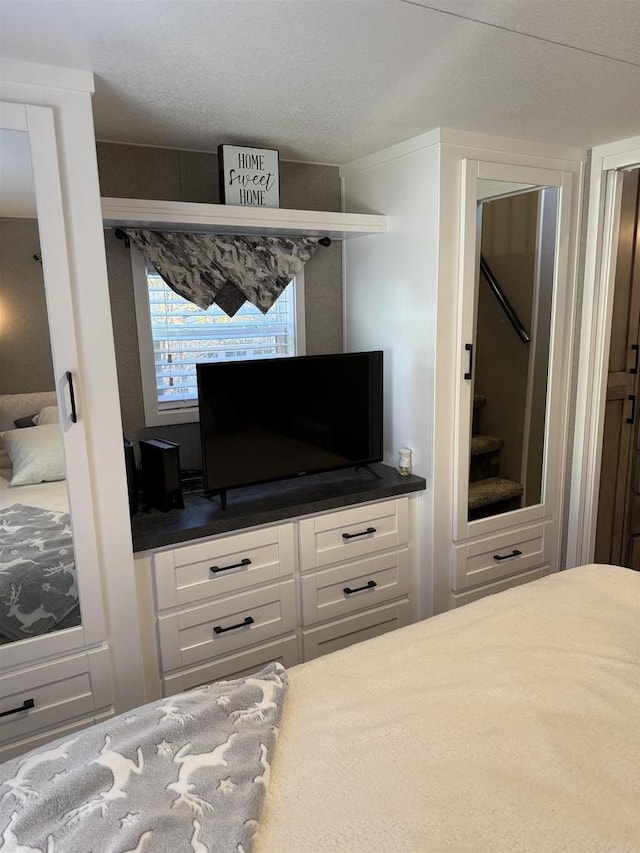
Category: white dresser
[226,605]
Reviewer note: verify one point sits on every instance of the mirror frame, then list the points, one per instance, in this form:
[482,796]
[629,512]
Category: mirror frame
[38,122]
[560,345]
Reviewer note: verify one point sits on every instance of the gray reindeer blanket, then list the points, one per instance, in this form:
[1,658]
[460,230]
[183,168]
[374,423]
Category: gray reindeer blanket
[37,570]
[182,775]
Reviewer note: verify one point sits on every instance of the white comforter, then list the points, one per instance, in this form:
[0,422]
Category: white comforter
[512,724]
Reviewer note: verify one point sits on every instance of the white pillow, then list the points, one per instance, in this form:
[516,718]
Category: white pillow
[36,454]
[48,415]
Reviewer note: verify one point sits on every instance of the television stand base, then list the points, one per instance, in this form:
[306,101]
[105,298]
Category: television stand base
[369,469]
[222,494]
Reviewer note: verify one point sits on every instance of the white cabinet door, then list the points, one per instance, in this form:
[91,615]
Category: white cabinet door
[56,119]
[514,320]
[32,130]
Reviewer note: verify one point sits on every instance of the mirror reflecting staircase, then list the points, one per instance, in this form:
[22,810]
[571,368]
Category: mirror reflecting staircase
[489,493]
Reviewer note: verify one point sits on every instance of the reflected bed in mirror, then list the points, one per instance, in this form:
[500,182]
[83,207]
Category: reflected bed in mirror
[38,588]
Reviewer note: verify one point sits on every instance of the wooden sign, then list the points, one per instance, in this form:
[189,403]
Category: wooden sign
[249,176]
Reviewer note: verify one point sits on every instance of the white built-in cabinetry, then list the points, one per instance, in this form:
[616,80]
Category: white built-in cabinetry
[226,605]
[56,683]
[413,293]
[61,682]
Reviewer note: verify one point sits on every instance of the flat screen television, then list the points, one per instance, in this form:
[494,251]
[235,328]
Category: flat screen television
[271,419]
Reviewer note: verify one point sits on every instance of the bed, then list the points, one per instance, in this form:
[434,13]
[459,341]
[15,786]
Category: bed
[511,724]
[38,589]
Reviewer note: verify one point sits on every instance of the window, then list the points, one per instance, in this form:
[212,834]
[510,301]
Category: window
[174,335]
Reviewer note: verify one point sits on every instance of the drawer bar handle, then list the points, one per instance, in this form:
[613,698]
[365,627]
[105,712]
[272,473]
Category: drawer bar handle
[26,705]
[248,620]
[362,533]
[514,553]
[215,569]
[370,585]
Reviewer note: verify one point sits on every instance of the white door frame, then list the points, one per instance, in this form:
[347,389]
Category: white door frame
[607,162]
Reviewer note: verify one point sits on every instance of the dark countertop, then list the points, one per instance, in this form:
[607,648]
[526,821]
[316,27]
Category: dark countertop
[267,504]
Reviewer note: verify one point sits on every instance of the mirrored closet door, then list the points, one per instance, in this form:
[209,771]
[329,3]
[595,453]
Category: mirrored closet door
[509,279]
[47,547]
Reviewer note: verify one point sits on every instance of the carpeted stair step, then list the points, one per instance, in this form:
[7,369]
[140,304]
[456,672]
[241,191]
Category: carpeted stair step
[492,490]
[481,444]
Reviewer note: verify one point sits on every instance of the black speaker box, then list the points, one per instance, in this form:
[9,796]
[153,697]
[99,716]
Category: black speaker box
[161,474]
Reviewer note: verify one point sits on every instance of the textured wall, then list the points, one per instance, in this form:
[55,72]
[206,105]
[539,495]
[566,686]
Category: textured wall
[128,171]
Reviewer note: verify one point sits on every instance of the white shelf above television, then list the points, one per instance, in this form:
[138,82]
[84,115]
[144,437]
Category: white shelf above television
[231,219]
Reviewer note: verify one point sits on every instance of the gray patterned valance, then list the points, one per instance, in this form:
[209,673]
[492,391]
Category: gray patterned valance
[227,270]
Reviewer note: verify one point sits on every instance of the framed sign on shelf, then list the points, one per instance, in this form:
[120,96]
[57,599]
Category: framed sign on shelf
[249,176]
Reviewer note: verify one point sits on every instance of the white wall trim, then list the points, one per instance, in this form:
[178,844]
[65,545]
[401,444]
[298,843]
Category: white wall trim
[401,149]
[514,149]
[597,306]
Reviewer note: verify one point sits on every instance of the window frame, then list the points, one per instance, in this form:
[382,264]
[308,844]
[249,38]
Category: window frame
[153,415]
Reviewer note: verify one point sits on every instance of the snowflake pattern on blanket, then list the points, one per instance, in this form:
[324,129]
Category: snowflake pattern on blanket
[37,570]
[184,774]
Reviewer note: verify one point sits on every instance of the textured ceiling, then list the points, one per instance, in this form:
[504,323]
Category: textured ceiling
[332,80]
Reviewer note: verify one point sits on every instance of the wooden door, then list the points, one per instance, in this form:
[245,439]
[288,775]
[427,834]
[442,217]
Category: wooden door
[618,525]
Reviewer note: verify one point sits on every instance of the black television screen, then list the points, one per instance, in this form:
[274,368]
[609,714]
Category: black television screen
[270,419]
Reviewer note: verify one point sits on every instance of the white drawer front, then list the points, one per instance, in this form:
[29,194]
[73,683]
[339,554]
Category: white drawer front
[60,691]
[284,651]
[190,636]
[345,632]
[498,557]
[220,566]
[345,535]
[338,591]
[459,599]
[19,747]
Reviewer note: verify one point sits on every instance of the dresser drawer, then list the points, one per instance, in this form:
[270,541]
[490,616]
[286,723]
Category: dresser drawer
[459,599]
[225,625]
[216,567]
[498,557]
[240,665]
[54,693]
[338,537]
[66,730]
[345,632]
[347,588]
